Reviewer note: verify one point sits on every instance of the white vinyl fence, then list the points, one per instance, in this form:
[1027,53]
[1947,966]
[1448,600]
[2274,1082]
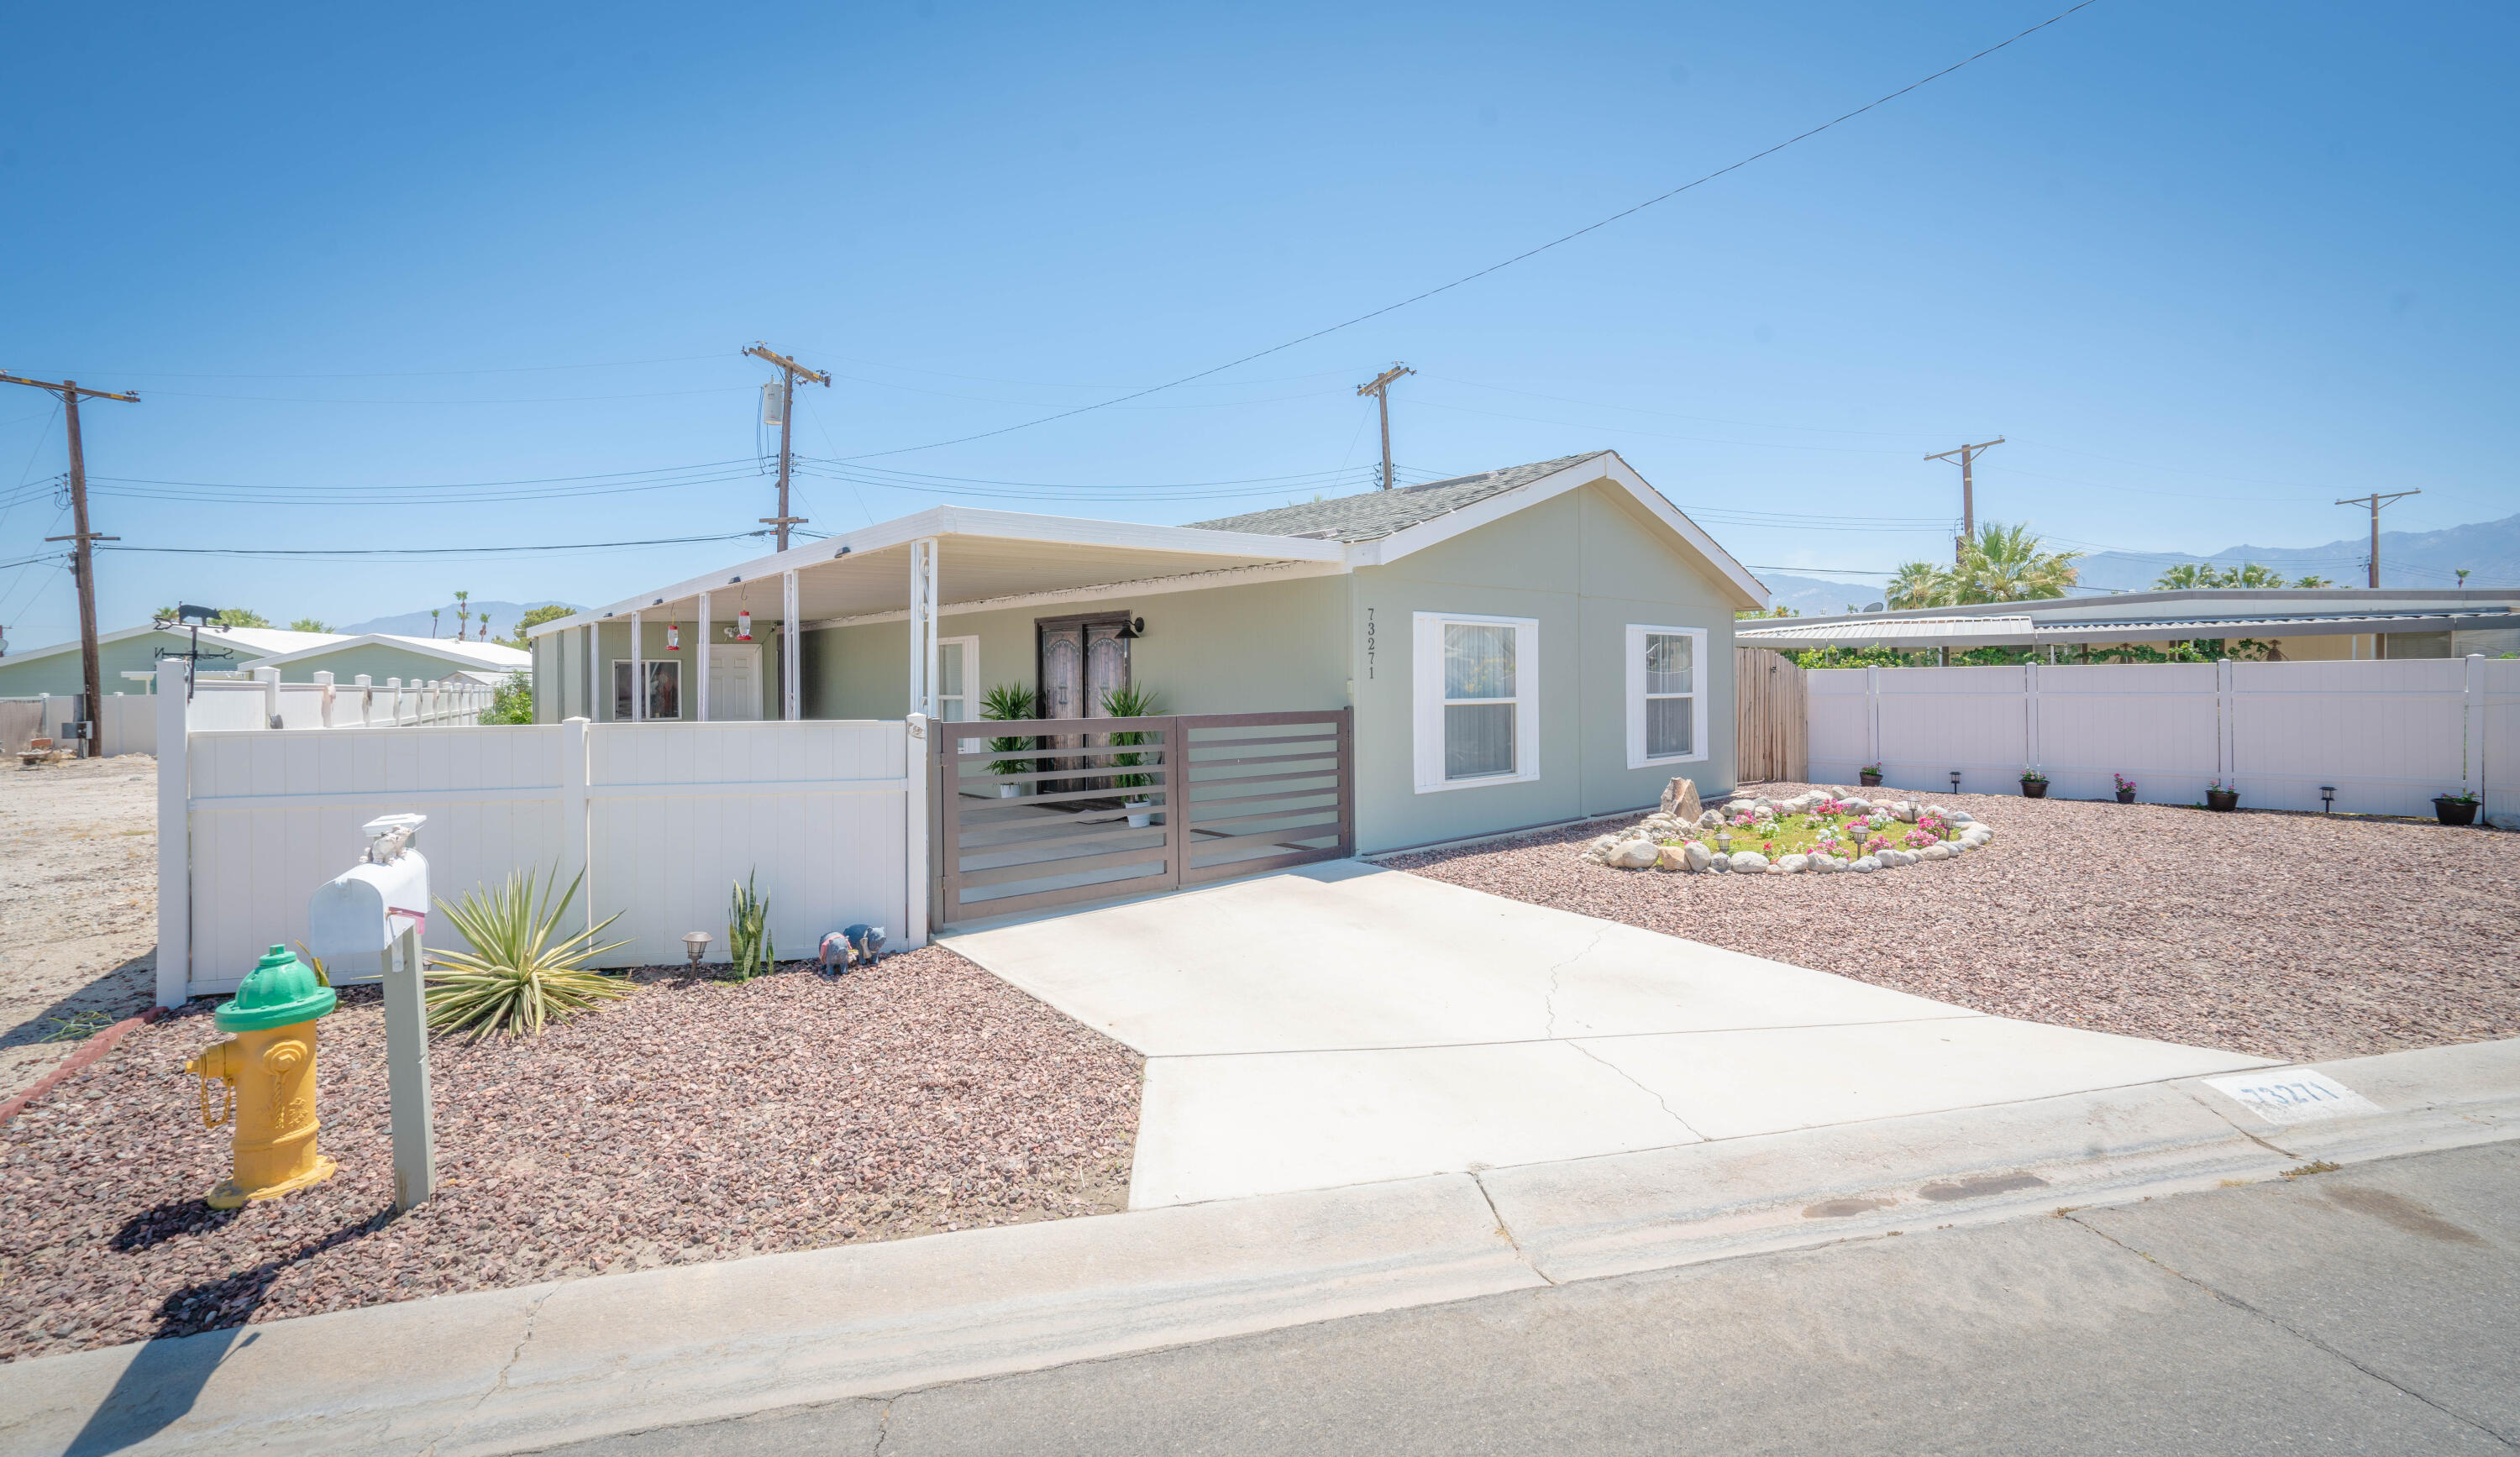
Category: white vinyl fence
[2387,735]
[827,816]
[130,724]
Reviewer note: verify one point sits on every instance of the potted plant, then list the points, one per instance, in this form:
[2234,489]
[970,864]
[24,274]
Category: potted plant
[1871,775]
[1003,703]
[2126,789]
[2218,797]
[2033,784]
[2455,809]
[1134,702]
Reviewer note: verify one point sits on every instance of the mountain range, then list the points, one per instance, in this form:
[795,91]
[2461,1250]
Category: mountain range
[502,617]
[2489,550]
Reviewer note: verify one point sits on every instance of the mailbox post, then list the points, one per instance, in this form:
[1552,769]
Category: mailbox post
[379,907]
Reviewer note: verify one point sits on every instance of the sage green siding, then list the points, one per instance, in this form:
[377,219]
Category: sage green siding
[1247,649]
[561,678]
[1585,564]
[59,673]
[377,660]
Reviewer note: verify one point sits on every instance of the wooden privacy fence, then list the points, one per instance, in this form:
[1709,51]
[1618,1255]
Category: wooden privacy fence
[1056,812]
[1771,718]
[2386,735]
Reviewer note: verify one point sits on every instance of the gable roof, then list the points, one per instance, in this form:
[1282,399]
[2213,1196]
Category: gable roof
[495,657]
[1379,514]
[255,642]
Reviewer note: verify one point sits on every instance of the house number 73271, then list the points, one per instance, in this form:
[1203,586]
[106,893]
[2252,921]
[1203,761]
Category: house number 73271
[1368,645]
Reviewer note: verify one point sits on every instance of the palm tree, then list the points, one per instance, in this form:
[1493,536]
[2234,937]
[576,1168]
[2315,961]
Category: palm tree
[1918,584]
[463,615]
[2188,576]
[2008,564]
[2323,582]
[433,621]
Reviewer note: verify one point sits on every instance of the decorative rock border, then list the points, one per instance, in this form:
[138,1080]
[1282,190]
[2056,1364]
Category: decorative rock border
[1666,841]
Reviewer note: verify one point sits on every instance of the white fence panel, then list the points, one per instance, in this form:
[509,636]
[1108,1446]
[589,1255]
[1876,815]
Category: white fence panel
[2497,735]
[816,813]
[276,815]
[1840,723]
[2389,735]
[2154,722]
[2386,735]
[1936,720]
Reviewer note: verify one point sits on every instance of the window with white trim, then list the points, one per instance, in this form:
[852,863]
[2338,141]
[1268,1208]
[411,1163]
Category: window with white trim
[1476,685]
[1666,670]
[957,667]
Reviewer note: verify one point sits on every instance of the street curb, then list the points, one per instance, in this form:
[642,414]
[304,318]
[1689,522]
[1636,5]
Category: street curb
[515,1370]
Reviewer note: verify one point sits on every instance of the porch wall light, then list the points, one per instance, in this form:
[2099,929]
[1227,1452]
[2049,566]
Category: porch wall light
[1131,630]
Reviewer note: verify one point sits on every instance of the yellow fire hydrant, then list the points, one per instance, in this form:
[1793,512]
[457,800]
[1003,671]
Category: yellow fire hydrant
[268,1069]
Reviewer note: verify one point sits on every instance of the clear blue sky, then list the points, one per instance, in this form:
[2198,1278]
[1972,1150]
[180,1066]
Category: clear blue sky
[2207,268]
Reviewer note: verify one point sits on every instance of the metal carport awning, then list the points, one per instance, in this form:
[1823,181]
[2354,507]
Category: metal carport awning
[919,567]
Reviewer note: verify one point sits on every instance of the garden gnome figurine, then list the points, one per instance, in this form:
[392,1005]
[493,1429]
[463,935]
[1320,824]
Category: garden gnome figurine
[269,1069]
[1680,800]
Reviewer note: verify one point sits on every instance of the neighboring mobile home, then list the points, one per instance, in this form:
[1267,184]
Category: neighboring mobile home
[1520,648]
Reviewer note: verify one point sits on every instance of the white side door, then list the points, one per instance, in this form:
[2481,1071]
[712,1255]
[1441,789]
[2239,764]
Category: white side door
[734,682]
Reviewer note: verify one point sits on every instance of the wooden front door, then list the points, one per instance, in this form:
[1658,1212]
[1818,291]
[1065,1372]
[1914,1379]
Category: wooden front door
[1083,660]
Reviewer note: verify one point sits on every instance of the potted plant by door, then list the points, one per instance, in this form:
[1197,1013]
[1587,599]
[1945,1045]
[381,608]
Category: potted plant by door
[2033,784]
[2126,789]
[1134,702]
[1006,702]
[2455,809]
[2217,797]
[1871,775]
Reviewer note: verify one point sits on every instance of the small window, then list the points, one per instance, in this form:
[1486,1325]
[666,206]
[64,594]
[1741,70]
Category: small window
[665,690]
[957,666]
[1477,690]
[1666,670]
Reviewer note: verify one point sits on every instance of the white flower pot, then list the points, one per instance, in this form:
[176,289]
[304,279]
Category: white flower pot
[1010,791]
[1140,812]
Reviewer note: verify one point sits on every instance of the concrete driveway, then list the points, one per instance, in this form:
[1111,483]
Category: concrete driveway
[1342,1023]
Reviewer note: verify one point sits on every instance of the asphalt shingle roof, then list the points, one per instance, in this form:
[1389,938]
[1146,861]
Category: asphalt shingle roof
[1379,514]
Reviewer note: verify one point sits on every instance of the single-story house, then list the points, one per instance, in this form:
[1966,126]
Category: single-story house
[2300,623]
[1520,648]
[126,652]
[386,655]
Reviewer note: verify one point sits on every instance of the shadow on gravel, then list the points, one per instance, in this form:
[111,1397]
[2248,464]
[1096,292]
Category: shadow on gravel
[166,1374]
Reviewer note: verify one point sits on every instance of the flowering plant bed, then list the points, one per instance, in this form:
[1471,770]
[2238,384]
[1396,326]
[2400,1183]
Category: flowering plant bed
[1819,832]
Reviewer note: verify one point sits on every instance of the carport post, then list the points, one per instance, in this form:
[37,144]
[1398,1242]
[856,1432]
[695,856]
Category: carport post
[174,836]
[700,699]
[922,625]
[791,674]
[638,675]
[920,758]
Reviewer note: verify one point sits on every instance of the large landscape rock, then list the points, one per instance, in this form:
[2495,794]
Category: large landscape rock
[1698,856]
[1680,801]
[1749,861]
[1635,854]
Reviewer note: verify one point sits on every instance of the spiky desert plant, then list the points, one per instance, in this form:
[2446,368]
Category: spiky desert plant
[1131,702]
[521,974]
[749,953]
[1010,701]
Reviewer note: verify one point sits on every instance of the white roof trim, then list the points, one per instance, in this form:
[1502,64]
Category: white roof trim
[221,636]
[963,520]
[1607,465]
[427,647]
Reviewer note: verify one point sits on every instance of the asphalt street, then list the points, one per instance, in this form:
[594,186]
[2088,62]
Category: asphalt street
[2374,1309]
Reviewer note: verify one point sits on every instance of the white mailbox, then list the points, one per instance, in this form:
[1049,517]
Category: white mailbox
[366,908]
[379,907]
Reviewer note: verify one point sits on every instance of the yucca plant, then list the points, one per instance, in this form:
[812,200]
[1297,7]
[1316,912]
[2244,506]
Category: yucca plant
[521,974]
[1006,701]
[1131,702]
[747,934]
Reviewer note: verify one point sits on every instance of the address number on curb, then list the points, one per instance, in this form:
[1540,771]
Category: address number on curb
[2293,1096]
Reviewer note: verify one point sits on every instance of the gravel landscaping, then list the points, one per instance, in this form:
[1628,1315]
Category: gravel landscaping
[2287,936]
[692,1121]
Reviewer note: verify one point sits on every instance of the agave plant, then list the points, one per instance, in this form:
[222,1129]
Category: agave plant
[521,974]
[1131,702]
[1010,701]
[747,934]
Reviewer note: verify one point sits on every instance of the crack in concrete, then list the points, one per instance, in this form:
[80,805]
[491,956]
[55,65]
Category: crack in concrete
[2236,1125]
[498,1382]
[883,1426]
[1506,1229]
[1551,1003]
[1638,1086]
[2302,1335]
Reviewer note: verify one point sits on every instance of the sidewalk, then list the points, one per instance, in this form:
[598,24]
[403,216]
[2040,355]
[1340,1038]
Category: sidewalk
[515,1370]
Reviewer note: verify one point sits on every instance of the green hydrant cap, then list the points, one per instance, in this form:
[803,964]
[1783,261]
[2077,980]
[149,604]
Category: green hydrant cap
[279,991]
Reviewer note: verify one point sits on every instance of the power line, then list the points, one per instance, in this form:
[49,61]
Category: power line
[1526,253]
[618,364]
[362,553]
[660,394]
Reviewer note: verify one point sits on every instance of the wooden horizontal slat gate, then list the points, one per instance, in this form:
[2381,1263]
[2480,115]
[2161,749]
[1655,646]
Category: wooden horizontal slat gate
[1223,795]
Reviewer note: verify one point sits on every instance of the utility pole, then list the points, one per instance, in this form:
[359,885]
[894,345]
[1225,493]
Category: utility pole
[1968,493]
[2375,501]
[790,369]
[1380,389]
[84,547]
